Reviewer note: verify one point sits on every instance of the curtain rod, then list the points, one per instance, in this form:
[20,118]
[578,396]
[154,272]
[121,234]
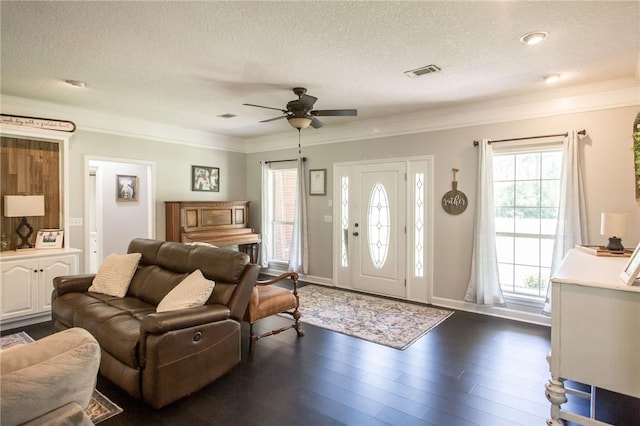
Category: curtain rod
[282,161]
[581,133]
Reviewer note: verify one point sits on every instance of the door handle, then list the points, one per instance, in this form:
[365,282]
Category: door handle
[355,234]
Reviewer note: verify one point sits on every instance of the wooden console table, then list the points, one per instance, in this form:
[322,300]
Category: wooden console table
[595,332]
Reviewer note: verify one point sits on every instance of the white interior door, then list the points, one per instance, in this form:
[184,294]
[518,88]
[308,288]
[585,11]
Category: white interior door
[378,228]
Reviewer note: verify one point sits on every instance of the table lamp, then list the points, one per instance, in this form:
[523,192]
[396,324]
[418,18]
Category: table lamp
[614,225]
[24,206]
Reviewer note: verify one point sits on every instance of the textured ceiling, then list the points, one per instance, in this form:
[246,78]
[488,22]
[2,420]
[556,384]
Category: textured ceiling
[185,63]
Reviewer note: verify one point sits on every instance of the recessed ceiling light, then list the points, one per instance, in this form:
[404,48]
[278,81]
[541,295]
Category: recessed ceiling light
[534,37]
[551,78]
[76,83]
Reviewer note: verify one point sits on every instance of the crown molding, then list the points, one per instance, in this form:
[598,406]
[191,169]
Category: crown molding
[592,97]
[122,126]
[574,99]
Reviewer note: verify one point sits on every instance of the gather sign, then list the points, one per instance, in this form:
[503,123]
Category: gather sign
[454,202]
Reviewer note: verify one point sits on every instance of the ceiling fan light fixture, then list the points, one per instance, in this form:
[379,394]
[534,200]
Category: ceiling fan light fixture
[534,37]
[299,122]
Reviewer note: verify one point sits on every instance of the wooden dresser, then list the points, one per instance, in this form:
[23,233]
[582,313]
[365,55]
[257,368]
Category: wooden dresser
[221,223]
[595,332]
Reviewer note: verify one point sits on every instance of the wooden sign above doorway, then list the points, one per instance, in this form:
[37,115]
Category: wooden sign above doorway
[38,123]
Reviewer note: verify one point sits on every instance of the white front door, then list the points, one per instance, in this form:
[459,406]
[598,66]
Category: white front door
[378,228]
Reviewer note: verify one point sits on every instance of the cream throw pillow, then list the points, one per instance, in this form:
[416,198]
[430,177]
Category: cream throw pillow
[193,291]
[115,273]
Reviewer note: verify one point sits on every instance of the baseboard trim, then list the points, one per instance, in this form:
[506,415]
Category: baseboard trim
[494,311]
[23,322]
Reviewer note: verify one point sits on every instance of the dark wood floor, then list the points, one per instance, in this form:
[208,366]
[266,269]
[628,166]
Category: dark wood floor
[470,370]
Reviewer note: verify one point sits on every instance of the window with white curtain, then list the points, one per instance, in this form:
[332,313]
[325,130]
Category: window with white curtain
[282,197]
[526,196]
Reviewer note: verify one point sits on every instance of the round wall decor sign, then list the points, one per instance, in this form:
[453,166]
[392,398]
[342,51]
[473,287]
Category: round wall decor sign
[454,202]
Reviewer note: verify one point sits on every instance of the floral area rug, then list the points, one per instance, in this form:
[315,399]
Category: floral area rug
[100,407]
[380,320]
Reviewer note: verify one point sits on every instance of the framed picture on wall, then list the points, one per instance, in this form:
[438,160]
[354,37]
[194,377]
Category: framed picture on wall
[205,179]
[49,238]
[318,182]
[126,188]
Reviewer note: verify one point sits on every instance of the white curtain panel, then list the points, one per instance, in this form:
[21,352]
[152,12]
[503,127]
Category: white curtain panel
[265,226]
[298,258]
[571,228]
[484,283]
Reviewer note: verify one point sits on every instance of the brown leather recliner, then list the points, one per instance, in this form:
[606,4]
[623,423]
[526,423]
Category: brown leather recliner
[163,356]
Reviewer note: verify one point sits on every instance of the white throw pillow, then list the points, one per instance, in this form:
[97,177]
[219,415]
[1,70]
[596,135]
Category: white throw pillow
[115,273]
[193,291]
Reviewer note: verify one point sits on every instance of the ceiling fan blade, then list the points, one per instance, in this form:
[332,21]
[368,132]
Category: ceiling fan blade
[272,119]
[266,107]
[335,112]
[308,101]
[315,123]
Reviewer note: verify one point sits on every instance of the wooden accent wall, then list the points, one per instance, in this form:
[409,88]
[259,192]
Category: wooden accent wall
[30,167]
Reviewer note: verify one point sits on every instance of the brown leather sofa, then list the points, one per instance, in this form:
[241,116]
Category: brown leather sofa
[163,356]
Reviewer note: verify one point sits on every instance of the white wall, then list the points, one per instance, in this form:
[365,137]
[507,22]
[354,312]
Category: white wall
[607,166]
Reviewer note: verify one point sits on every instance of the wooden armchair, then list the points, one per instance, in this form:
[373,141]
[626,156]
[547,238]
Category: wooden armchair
[268,299]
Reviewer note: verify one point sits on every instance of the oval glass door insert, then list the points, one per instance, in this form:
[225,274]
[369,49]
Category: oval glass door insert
[378,227]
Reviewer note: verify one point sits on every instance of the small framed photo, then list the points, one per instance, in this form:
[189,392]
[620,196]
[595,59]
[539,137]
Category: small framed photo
[49,238]
[126,188]
[205,179]
[632,268]
[318,182]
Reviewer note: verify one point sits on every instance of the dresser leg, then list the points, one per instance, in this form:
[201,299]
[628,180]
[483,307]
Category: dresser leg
[557,395]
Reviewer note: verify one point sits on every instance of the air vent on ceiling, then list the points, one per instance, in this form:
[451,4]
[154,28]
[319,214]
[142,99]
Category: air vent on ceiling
[227,115]
[422,71]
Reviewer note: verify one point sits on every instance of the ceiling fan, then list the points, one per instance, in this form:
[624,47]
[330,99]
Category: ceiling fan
[300,113]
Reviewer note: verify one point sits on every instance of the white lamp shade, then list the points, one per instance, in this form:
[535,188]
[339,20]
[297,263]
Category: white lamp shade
[613,224]
[23,205]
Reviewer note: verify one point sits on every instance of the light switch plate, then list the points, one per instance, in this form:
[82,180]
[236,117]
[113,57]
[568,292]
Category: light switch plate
[75,221]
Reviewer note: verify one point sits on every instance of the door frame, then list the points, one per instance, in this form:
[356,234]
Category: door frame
[419,288]
[151,199]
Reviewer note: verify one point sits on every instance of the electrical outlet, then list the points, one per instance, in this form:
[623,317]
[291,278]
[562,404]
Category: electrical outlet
[328,218]
[75,221]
